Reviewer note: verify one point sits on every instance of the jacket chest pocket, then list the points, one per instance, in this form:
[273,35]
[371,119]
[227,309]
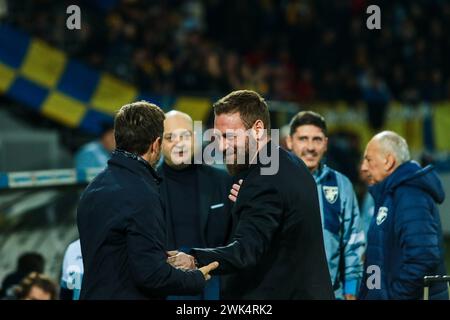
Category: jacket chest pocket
[217,225]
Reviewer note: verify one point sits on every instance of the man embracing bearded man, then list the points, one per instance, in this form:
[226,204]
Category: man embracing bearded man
[121,220]
[276,249]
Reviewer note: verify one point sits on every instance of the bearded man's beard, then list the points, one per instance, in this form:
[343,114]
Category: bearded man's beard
[235,168]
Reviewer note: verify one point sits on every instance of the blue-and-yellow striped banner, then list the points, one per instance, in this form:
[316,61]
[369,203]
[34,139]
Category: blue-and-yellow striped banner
[68,91]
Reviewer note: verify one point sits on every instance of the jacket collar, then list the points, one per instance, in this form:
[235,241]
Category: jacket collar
[321,173]
[134,163]
[403,173]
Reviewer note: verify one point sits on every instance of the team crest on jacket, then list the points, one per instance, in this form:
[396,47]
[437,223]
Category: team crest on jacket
[381,215]
[331,193]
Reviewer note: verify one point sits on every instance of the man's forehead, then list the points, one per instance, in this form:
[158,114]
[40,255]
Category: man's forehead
[309,130]
[372,147]
[178,120]
[228,131]
[173,123]
[178,131]
[228,121]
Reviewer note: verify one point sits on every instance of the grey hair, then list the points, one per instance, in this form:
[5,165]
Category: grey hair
[391,142]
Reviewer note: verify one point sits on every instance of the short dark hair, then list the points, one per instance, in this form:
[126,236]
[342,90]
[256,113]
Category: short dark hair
[308,118]
[29,262]
[137,125]
[250,105]
[35,279]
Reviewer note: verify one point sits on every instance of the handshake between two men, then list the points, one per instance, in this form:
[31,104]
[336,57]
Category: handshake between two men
[181,260]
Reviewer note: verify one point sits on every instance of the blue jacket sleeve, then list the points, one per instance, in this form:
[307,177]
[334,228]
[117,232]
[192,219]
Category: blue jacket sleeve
[353,239]
[417,232]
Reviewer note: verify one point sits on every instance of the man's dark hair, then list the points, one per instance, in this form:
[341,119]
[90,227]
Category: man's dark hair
[35,279]
[250,105]
[137,125]
[308,118]
[29,262]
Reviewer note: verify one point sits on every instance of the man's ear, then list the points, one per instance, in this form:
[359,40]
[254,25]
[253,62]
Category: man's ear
[390,163]
[258,129]
[156,145]
[289,142]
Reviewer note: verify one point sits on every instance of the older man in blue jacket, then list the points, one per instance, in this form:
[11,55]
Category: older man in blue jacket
[405,236]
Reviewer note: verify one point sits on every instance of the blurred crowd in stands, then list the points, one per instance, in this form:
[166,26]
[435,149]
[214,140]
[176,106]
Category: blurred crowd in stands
[291,50]
[297,50]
